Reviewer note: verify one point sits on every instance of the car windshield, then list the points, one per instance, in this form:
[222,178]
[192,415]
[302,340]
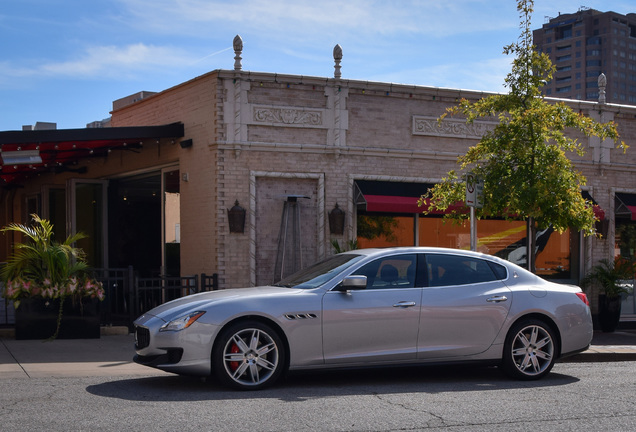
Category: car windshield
[319,273]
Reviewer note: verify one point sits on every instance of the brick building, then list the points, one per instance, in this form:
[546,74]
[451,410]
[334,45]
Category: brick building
[288,150]
[584,44]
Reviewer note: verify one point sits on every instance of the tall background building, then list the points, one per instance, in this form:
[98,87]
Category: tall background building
[584,44]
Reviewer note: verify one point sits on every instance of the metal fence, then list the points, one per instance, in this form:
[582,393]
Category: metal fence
[129,296]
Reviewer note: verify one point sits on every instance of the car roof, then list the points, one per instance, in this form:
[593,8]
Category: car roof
[418,249]
[370,252]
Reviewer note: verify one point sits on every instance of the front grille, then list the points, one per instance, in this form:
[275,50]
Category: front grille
[142,337]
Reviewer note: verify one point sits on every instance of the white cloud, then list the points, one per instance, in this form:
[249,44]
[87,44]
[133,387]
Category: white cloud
[114,61]
[486,75]
[307,19]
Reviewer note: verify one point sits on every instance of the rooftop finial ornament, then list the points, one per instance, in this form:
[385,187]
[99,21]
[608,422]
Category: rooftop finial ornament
[238,49]
[602,83]
[337,56]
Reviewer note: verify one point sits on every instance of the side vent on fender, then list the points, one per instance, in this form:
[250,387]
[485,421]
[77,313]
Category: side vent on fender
[300,316]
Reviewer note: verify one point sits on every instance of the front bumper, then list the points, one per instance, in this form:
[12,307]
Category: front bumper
[185,352]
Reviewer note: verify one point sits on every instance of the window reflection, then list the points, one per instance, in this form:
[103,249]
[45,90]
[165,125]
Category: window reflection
[505,239]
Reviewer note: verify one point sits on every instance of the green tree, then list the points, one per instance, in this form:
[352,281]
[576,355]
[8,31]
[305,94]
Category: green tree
[523,160]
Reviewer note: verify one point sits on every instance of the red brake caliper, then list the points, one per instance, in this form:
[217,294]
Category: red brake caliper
[235,349]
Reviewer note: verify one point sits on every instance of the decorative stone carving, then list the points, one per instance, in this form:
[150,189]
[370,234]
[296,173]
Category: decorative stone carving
[453,128]
[602,83]
[288,116]
[238,49]
[337,57]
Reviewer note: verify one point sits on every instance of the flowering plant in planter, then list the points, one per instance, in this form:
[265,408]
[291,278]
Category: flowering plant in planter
[42,268]
[74,288]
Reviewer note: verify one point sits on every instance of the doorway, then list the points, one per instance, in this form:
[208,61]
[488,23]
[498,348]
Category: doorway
[134,230]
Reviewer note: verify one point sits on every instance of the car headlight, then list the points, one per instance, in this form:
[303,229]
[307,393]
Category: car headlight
[183,322]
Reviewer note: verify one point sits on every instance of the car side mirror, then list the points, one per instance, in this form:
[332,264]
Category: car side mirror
[353,282]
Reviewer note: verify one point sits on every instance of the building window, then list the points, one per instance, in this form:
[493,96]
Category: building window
[564,32]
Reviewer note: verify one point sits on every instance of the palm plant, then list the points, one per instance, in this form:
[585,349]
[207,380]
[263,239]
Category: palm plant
[610,276]
[43,268]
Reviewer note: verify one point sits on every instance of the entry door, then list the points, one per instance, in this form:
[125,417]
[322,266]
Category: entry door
[87,204]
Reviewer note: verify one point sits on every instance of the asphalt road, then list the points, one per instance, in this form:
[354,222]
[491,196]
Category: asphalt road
[576,396]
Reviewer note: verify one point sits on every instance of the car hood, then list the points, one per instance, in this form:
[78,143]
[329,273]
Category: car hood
[171,309]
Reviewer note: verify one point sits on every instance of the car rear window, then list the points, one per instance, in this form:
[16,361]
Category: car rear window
[444,270]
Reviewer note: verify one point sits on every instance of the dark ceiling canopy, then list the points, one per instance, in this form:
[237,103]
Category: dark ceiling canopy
[59,150]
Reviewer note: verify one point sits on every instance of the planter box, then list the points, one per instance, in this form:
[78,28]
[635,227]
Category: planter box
[37,319]
[609,313]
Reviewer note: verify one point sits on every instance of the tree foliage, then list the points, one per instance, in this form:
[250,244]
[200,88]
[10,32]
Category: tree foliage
[523,161]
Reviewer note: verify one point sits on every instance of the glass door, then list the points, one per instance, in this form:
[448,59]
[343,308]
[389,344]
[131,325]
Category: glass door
[87,206]
[54,209]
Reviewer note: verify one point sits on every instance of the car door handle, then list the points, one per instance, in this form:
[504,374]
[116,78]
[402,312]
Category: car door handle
[404,304]
[497,299]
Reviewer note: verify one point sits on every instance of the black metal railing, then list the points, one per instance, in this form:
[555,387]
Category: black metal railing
[128,296]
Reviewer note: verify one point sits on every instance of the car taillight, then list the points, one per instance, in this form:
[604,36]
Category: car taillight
[583,298]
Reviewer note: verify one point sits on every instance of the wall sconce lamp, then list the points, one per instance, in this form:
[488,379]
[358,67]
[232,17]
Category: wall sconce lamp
[23,157]
[236,218]
[186,143]
[336,220]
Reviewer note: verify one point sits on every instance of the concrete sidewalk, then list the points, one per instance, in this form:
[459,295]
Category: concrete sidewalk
[111,355]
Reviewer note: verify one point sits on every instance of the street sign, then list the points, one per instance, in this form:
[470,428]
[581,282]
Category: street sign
[474,191]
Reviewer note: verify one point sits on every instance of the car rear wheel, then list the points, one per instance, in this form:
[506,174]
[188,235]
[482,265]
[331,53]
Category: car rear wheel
[248,356]
[530,350]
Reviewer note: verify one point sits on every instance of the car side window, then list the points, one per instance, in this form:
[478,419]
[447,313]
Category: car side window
[444,270]
[390,272]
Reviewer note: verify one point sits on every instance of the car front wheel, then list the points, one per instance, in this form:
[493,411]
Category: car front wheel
[530,350]
[248,356]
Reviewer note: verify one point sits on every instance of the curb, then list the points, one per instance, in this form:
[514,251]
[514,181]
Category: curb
[9,333]
[602,357]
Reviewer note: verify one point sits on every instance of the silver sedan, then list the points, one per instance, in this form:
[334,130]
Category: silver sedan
[371,307]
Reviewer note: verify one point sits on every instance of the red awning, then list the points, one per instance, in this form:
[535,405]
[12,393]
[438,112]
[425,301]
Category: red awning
[625,205]
[598,211]
[392,204]
[59,150]
[394,197]
[402,204]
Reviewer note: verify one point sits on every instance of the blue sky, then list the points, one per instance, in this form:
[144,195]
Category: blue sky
[65,61]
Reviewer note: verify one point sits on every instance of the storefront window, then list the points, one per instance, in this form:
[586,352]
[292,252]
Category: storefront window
[385,230]
[625,247]
[505,239]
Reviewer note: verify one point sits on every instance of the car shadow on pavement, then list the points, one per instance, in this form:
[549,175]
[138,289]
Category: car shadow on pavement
[297,387]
